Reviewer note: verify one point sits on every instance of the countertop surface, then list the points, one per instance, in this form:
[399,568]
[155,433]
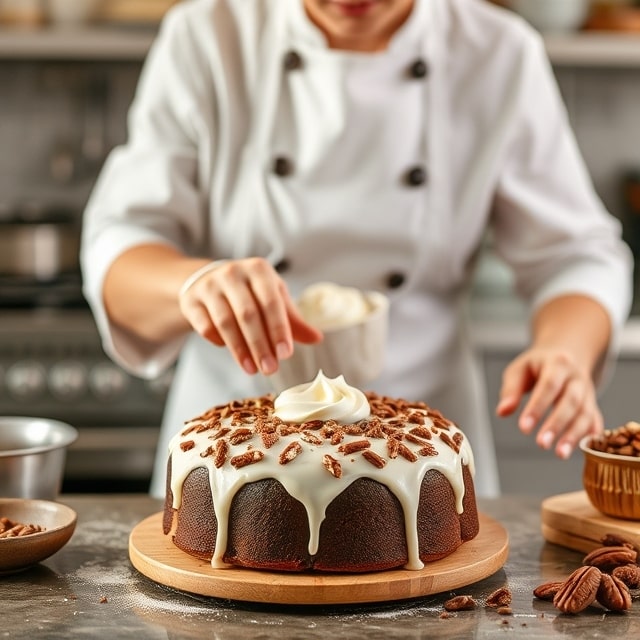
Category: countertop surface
[90,589]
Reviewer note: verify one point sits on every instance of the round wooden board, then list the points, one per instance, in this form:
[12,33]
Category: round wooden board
[155,556]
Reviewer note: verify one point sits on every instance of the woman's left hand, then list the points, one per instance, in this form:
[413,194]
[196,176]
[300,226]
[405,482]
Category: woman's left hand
[562,401]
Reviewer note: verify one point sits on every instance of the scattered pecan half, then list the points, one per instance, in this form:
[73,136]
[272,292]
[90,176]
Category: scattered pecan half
[615,540]
[608,558]
[499,598]
[460,603]
[613,594]
[547,591]
[579,590]
[629,574]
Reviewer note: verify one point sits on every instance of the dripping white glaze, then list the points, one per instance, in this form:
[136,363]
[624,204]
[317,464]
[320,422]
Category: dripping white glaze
[308,481]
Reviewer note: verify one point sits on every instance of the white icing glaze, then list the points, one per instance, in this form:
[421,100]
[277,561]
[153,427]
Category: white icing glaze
[306,479]
[328,306]
[323,399]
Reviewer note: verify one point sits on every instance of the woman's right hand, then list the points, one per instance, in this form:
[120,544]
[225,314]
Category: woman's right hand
[245,305]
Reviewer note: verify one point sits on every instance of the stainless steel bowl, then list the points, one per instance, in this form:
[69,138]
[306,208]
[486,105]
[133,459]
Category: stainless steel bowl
[32,456]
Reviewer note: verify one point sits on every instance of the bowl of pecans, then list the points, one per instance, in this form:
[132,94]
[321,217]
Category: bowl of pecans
[31,531]
[611,475]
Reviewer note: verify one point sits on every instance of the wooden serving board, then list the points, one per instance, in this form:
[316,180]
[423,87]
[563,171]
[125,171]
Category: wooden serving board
[570,520]
[155,556]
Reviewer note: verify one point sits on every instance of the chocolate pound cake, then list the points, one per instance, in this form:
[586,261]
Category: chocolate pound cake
[322,478]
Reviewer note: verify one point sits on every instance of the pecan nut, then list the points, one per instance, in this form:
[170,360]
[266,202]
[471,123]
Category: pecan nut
[616,540]
[547,591]
[579,590]
[499,598]
[613,594]
[460,603]
[608,558]
[629,574]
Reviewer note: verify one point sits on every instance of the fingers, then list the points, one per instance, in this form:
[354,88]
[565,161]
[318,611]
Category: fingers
[562,403]
[245,306]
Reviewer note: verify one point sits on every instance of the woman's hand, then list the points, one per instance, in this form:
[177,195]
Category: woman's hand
[245,306]
[562,399]
[571,335]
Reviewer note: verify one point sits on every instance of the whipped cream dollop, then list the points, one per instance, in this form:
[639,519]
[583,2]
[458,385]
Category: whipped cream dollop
[326,305]
[322,399]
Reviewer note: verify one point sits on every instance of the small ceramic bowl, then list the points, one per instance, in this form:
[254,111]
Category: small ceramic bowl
[58,521]
[611,481]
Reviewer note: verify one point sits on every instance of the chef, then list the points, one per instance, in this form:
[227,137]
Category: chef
[370,143]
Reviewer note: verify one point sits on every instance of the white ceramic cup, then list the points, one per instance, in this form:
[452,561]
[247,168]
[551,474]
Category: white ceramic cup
[355,351]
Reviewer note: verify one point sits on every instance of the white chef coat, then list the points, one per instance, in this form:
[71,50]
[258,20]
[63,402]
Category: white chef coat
[485,126]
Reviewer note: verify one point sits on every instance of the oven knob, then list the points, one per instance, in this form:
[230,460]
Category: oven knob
[68,380]
[26,380]
[107,381]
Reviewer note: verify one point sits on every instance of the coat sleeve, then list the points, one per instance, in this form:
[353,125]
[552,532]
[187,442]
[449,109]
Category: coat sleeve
[549,224]
[147,191]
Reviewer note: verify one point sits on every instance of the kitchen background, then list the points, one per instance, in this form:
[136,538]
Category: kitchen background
[68,71]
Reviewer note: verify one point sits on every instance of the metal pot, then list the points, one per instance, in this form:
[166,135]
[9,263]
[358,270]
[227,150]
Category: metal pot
[32,456]
[41,247]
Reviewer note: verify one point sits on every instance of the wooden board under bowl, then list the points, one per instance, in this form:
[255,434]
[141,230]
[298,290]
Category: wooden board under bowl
[570,520]
[155,556]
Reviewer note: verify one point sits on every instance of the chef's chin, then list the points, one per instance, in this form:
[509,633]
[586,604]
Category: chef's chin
[358,24]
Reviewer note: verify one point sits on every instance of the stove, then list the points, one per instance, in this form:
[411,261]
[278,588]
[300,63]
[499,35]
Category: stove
[52,365]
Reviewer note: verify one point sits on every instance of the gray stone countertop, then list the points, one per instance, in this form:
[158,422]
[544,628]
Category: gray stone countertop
[90,589]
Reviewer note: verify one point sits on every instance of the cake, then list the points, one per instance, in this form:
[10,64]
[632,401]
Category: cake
[322,477]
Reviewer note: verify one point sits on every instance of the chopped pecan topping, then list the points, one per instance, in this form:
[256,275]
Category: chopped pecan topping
[428,450]
[499,598]
[460,603]
[353,446]
[312,425]
[406,453]
[220,433]
[222,448]
[187,445]
[446,438]
[248,457]
[374,458]
[291,451]
[289,429]
[505,611]
[393,447]
[337,437]
[415,418]
[240,435]
[374,431]
[613,593]
[332,465]
[607,558]
[269,439]
[579,590]
[311,438]
[547,591]
[415,440]
[421,432]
